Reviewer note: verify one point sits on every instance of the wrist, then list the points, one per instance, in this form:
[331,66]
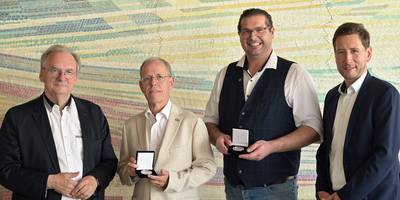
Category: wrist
[49,184]
[97,181]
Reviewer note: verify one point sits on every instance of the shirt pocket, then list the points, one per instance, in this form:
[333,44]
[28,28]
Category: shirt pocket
[77,142]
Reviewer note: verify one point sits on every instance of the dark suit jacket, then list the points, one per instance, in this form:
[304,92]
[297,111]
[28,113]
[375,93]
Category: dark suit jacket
[28,154]
[370,152]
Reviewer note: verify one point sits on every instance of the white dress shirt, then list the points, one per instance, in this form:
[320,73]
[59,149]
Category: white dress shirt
[156,126]
[67,136]
[343,111]
[299,90]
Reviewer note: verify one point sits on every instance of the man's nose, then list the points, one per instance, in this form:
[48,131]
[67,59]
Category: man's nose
[153,80]
[348,57]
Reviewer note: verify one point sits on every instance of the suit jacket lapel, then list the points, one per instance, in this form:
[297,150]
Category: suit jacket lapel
[357,108]
[329,115]
[43,125]
[171,130]
[84,121]
[143,132]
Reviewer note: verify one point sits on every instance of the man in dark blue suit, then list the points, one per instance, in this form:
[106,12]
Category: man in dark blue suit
[359,156]
[56,146]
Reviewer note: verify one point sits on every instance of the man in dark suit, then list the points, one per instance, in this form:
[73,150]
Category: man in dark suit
[56,146]
[359,156]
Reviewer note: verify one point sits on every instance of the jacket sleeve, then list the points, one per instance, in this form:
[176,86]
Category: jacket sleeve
[203,166]
[386,145]
[322,182]
[29,183]
[124,155]
[105,169]
[322,157]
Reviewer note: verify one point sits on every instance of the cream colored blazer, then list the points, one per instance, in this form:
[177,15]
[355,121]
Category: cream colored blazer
[185,152]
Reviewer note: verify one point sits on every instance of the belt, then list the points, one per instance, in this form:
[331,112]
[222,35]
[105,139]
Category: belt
[274,182]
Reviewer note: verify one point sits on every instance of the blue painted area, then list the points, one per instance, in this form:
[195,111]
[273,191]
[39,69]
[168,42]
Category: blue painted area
[83,25]
[145,19]
[341,4]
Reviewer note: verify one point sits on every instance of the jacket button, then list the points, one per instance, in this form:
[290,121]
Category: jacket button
[240,171]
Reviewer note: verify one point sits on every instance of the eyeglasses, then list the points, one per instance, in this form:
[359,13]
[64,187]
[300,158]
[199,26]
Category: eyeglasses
[55,72]
[158,77]
[259,31]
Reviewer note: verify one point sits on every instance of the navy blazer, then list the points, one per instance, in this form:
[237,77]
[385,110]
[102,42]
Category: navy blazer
[370,152]
[28,154]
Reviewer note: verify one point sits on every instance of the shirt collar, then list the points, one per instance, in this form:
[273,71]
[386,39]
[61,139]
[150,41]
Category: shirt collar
[164,112]
[270,64]
[51,104]
[355,87]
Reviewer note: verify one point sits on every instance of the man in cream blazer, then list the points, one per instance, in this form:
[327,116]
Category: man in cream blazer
[183,156]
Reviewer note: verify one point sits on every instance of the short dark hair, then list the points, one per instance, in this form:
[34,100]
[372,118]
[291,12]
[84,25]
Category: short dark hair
[255,11]
[350,28]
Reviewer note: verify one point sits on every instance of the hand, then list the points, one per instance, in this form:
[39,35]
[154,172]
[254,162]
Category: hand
[131,167]
[62,183]
[85,188]
[335,196]
[322,195]
[257,151]
[160,181]
[223,142]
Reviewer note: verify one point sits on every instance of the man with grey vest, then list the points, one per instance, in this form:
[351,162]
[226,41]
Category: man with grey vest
[274,103]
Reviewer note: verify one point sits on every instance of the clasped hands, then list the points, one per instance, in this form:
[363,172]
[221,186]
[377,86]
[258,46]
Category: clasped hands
[160,181]
[65,184]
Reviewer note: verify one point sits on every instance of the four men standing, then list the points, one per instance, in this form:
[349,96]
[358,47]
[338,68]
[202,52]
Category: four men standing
[58,146]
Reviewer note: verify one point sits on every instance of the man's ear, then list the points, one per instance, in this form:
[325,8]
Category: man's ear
[369,53]
[141,87]
[172,81]
[41,76]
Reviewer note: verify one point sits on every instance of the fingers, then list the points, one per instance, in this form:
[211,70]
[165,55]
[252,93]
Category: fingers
[164,172]
[222,143]
[63,183]
[131,167]
[254,146]
[132,160]
[257,151]
[324,195]
[85,188]
[160,181]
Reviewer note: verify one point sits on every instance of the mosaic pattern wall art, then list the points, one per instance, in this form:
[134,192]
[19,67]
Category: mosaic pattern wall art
[198,37]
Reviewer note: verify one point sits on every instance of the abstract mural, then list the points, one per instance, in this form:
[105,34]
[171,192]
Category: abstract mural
[198,37]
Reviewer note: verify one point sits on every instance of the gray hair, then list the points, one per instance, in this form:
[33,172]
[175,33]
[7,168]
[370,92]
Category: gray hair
[59,48]
[151,59]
